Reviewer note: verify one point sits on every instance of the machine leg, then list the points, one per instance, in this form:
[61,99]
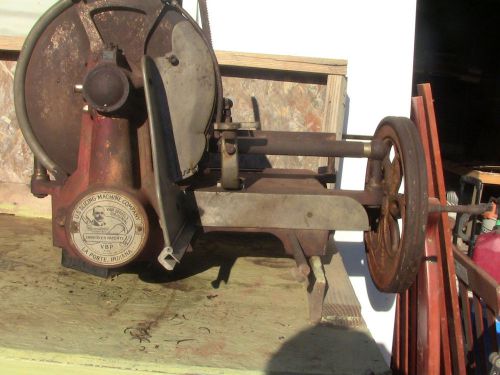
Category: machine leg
[302,271]
[316,289]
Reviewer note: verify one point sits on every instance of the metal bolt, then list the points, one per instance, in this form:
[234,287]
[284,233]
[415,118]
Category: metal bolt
[78,88]
[228,103]
[230,148]
[61,220]
[173,60]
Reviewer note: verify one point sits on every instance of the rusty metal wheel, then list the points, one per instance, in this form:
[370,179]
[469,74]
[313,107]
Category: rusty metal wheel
[54,60]
[395,243]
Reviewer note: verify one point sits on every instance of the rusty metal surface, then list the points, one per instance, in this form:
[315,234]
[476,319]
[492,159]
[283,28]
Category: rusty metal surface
[112,153]
[288,181]
[473,209]
[394,253]
[229,159]
[205,21]
[286,211]
[306,144]
[108,38]
[100,171]
[65,46]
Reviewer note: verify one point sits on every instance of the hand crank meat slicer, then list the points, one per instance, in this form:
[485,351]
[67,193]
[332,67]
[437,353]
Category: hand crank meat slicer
[121,101]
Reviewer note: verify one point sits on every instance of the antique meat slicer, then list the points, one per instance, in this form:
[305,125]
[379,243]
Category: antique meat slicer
[121,102]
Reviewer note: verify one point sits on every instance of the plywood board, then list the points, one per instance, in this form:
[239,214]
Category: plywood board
[16,159]
[277,105]
[231,307]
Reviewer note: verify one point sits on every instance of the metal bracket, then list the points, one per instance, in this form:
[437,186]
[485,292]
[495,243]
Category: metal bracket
[237,126]
[240,209]
[170,256]
[229,161]
[177,231]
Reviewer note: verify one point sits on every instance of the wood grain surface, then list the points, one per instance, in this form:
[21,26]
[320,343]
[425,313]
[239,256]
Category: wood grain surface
[232,306]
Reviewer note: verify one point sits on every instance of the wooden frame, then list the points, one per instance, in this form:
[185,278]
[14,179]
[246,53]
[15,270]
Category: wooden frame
[11,43]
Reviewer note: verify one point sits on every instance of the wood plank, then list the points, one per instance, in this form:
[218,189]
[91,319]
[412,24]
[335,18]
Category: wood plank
[282,62]
[333,121]
[42,363]
[485,177]
[18,200]
[333,117]
[466,315]
[341,306]
[450,300]
[230,307]
[397,336]
[11,43]
[429,278]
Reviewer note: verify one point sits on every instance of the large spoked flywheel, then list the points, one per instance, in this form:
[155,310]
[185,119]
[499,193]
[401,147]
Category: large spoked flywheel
[395,243]
[71,37]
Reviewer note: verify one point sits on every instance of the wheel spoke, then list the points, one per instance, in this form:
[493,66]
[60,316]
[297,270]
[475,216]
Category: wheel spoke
[397,204]
[390,235]
[396,173]
[392,170]
[401,199]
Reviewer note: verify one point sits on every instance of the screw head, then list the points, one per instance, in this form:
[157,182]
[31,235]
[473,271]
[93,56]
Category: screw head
[173,60]
[230,148]
[78,88]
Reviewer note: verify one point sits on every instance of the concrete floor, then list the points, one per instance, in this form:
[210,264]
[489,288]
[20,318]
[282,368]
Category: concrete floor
[217,314]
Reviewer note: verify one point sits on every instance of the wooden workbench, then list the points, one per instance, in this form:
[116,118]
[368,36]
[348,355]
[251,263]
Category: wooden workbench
[58,321]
